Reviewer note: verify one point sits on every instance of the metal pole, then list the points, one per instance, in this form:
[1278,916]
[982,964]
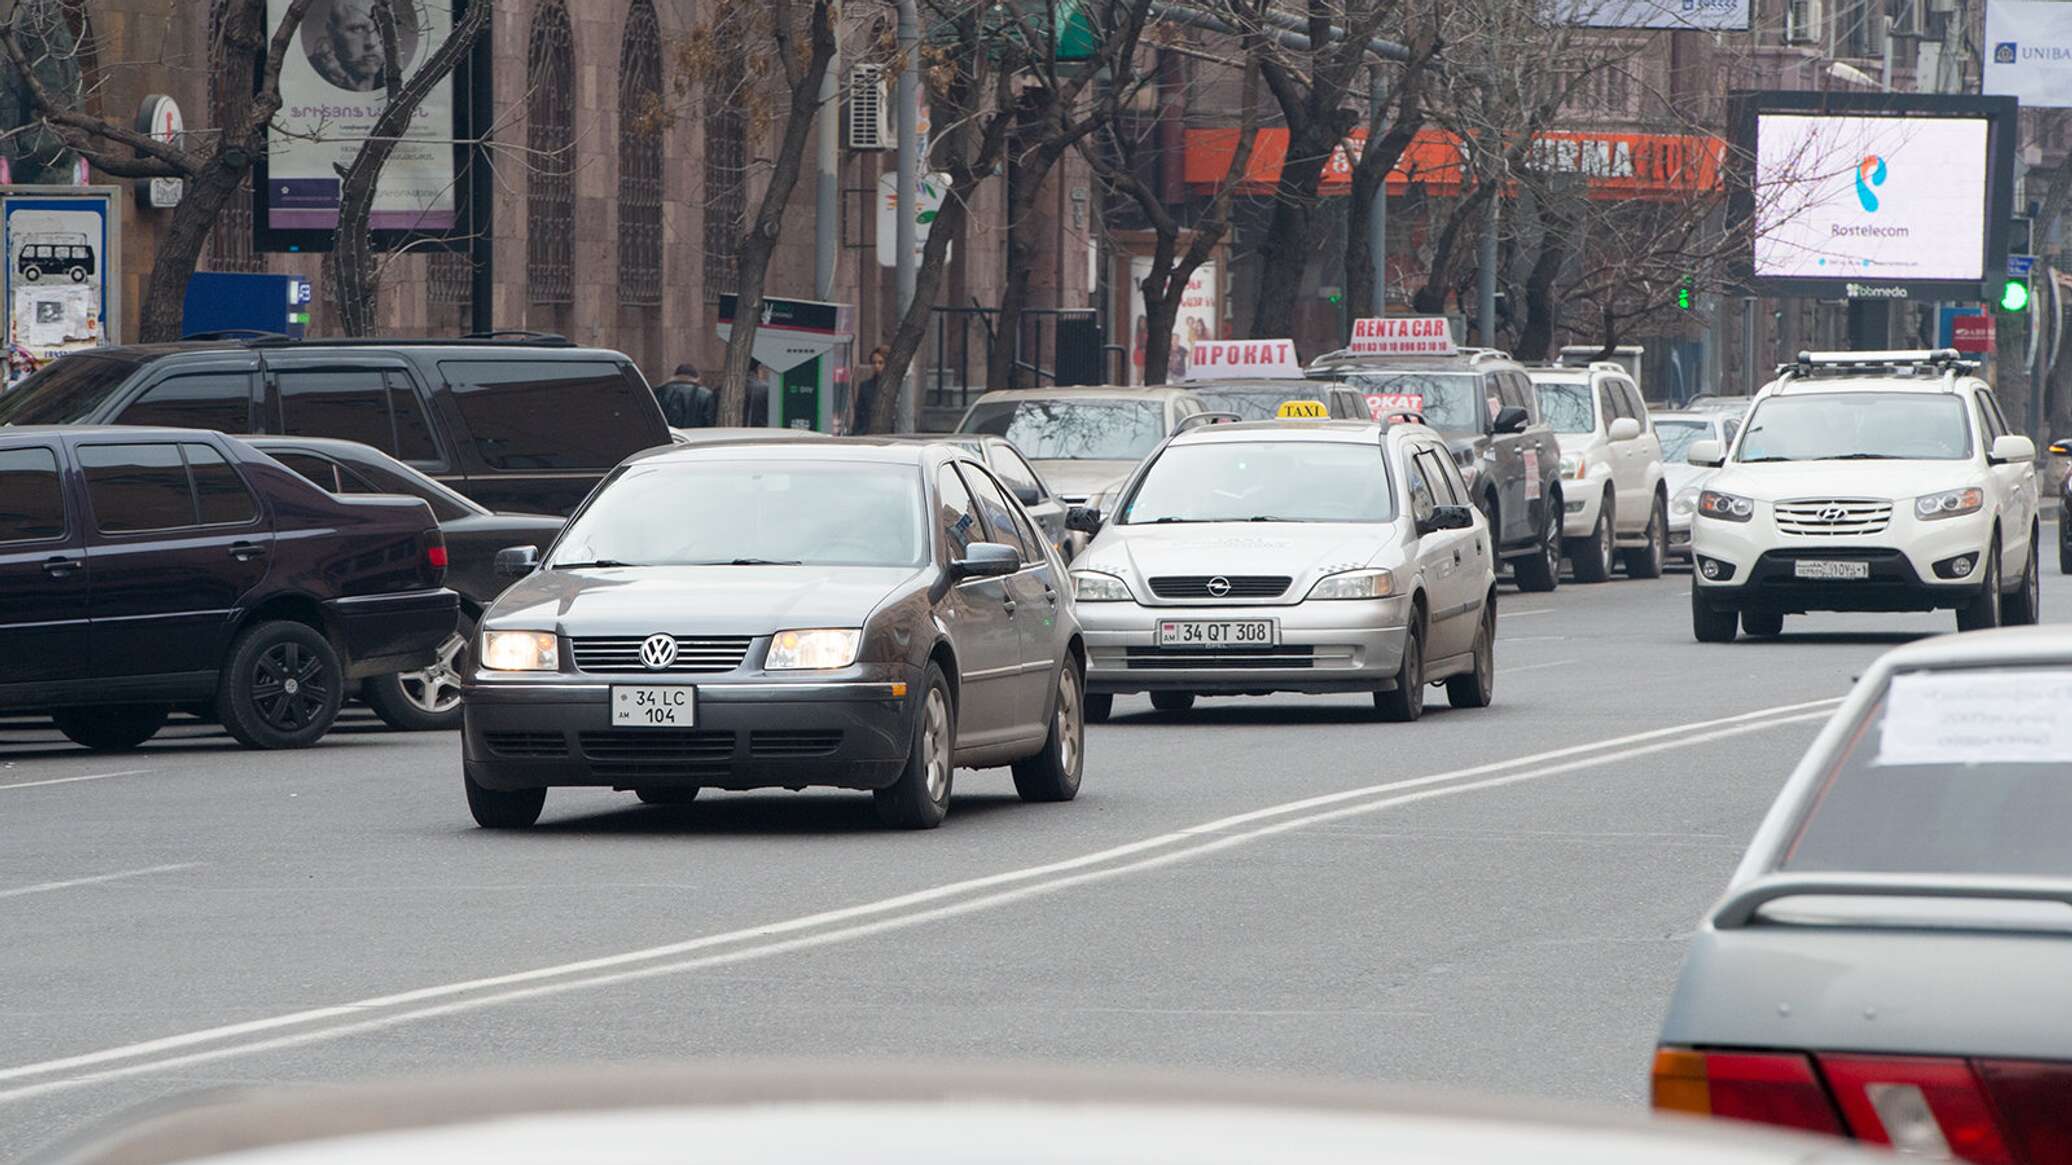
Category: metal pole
[1378,213]
[1486,277]
[827,211]
[1749,304]
[909,32]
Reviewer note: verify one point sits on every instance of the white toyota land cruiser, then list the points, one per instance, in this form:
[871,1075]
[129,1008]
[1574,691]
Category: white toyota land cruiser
[1611,470]
[1867,481]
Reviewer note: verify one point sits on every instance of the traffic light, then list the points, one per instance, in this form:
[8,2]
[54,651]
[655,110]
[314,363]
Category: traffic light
[1683,297]
[2014,295]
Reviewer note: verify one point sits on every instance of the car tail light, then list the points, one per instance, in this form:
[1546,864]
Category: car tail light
[1920,1105]
[435,554]
[2034,1101]
[1772,1088]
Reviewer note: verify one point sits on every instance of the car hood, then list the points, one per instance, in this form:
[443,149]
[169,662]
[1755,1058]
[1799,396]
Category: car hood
[1780,480]
[1681,475]
[1575,442]
[1305,550]
[1083,479]
[696,600]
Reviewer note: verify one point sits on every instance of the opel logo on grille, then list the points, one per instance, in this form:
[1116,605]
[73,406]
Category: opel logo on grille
[1219,586]
[1833,514]
[658,651]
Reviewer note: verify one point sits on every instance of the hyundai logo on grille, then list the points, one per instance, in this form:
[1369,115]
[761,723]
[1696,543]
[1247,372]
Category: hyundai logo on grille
[1833,514]
[658,651]
[1219,586]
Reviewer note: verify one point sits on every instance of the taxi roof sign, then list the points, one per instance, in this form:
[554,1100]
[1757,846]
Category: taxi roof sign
[1303,410]
[1403,336]
[1249,359]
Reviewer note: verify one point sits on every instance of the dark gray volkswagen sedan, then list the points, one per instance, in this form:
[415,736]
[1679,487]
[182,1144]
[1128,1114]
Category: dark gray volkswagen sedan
[851,613]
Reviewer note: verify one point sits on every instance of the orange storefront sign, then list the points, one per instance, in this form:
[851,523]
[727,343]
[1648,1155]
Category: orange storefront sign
[1616,165]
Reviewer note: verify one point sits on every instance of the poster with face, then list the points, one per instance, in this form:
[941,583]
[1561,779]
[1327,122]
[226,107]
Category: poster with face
[1199,318]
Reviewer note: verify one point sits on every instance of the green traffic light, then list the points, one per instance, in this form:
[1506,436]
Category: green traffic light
[2015,295]
[1683,298]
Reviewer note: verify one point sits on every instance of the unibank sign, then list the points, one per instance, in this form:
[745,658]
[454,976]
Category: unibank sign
[2031,51]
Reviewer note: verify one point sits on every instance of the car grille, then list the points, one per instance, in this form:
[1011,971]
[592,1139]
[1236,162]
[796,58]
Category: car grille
[621,653]
[779,745]
[1242,586]
[1245,658]
[1833,516]
[660,746]
[526,744]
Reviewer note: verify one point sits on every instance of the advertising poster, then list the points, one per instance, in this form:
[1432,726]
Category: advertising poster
[1712,15]
[2029,51]
[1200,318]
[333,86]
[57,254]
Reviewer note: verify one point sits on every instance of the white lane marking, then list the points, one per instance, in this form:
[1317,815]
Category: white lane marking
[73,780]
[1512,671]
[97,879]
[1209,837]
[1502,614]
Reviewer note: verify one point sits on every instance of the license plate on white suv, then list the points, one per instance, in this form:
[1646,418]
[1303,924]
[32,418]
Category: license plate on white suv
[1218,633]
[653,705]
[1830,569]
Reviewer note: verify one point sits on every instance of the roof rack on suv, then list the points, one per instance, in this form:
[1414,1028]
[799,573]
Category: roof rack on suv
[523,335]
[1903,362]
[249,335]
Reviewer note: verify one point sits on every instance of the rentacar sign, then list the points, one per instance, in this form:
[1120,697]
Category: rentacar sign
[1403,336]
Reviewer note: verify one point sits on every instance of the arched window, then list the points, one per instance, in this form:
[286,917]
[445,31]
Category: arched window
[230,244]
[550,218]
[726,161]
[640,156]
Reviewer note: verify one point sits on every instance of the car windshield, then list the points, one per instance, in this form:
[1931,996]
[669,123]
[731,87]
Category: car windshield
[66,392]
[1074,430]
[1951,772]
[1858,426]
[1450,401]
[1256,404]
[1677,437]
[1264,481]
[1567,405]
[728,512]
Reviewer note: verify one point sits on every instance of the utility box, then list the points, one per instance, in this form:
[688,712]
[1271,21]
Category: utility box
[223,301]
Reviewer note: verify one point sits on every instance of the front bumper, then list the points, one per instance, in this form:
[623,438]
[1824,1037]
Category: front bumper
[1580,502]
[1902,561]
[556,730]
[1327,646]
[380,634]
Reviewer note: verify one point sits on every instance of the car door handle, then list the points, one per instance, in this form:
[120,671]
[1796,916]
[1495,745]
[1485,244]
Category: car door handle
[1050,595]
[60,567]
[1008,605]
[246,551]
[1456,557]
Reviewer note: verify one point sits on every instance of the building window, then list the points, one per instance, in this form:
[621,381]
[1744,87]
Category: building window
[640,157]
[726,167]
[449,279]
[230,244]
[550,213]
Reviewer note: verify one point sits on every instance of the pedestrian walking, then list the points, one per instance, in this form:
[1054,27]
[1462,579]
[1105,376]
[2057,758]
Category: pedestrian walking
[867,391]
[686,403]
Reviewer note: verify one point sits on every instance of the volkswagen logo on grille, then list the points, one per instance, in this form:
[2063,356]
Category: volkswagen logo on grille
[658,651]
[1219,586]
[1833,514]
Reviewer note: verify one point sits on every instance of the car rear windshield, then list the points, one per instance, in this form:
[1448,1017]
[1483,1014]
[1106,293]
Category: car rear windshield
[1074,430]
[730,511]
[1678,437]
[1951,772]
[1450,401]
[68,391]
[1256,404]
[1264,481]
[1858,426]
[1568,405]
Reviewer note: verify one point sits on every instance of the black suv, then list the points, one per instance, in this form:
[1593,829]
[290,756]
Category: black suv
[1483,403]
[519,422]
[147,569]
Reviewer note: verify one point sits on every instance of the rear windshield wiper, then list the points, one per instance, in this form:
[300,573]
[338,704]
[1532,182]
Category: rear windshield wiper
[595,562]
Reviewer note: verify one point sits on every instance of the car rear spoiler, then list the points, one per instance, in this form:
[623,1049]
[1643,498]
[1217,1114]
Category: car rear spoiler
[1740,907]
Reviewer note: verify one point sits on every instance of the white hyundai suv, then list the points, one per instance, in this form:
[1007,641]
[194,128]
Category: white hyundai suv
[1616,504]
[1867,481]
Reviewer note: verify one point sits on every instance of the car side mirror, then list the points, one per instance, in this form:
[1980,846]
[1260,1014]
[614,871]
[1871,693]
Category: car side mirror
[1707,454]
[1447,518]
[2061,447]
[1511,419]
[1625,429]
[987,560]
[517,561]
[1028,494]
[2011,448]
[1084,519]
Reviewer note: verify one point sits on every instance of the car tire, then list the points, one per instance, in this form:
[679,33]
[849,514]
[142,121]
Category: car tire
[1406,702]
[1477,687]
[1594,555]
[1053,774]
[2065,545]
[1983,612]
[1172,701]
[504,808]
[281,688]
[1761,623]
[671,796]
[920,798]
[111,727]
[427,700]
[1099,707]
[1541,571]
[2024,606]
[1646,562]
[1710,624]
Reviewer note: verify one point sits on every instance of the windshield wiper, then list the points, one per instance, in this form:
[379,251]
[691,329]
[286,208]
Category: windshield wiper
[1267,518]
[595,562]
[747,562]
[1862,457]
[1760,460]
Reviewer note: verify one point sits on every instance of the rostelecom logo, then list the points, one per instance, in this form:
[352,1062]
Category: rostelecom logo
[1869,172]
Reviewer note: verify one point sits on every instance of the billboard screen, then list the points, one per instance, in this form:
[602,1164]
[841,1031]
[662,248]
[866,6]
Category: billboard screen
[1873,196]
[2031,51]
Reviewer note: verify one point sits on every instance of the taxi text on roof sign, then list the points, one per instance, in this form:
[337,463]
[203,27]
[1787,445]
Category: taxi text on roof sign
[1303,410]
[1403,336]
[1229,359]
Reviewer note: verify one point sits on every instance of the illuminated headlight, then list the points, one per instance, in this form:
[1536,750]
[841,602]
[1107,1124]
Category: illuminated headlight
[520,651]
[818,649]
[1953,503]
[1092,586]
[1685,501]
[1724,506]
[1355,584]
[1574,466]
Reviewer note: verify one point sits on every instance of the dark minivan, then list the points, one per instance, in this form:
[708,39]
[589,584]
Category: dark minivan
[147,569]
[521,422]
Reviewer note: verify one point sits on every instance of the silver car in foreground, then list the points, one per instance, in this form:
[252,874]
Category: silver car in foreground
[1891,961]
[1291,556]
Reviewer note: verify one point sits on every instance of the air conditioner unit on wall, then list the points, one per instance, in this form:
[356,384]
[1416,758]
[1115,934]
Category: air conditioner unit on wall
[1801,21]
[870,110]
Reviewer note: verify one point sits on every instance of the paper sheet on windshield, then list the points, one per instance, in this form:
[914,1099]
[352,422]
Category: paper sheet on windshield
[1978,717]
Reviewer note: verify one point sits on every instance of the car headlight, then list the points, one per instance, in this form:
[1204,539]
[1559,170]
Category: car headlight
[1685,501]
[1093,586]
[1951,503]
[815,650]
[1355,584]
[1725,506]
[1574,466]
[520,651]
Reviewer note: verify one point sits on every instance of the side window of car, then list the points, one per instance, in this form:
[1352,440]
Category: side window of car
[1635,407]
[1996,424]
[959,516]
[32,495]
[414,440]
[349,404]
[1421,500]
[1492,395]
[219,493]
[1009,468]
[137,487]
[204,400]
[1436,462]
[1730,428]
[319,470]
[994,503]
[553,414]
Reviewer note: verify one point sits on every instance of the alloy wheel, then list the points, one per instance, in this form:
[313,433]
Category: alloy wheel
[288,686]
[1070,725]
[436,689]
[935,743]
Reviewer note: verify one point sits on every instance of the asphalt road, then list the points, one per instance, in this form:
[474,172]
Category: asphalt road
[1493,900]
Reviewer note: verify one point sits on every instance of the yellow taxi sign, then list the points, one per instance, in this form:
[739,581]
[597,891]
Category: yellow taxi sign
[1303,410]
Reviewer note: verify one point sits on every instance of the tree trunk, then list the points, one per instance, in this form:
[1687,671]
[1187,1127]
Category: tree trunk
[1431,298]
[1285,257]
[163,315]
[1536,338]
[913,326]
[1001,361]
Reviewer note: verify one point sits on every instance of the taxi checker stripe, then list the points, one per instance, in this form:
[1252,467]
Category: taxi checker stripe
[848,923]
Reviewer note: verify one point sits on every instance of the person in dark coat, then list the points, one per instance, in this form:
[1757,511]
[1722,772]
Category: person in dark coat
[758,394]
[867,391]
[686,403]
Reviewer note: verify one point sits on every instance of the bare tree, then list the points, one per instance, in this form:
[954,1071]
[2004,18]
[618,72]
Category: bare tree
[1382,148]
